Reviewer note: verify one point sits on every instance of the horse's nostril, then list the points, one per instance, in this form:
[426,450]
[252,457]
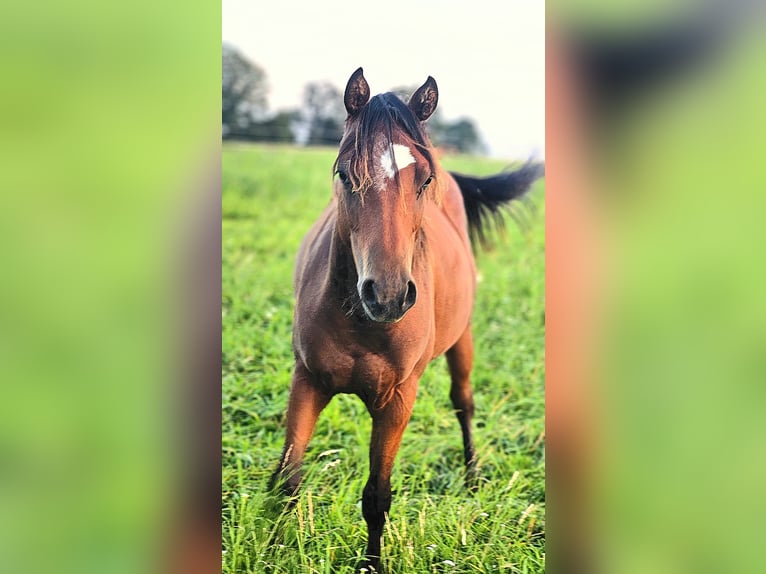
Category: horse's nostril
[369,294]
[411,296]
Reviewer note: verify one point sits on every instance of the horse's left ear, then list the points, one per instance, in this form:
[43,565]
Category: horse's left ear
[357,92]
[423,101]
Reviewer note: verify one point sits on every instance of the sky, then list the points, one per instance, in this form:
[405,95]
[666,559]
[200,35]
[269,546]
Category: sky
[487,57]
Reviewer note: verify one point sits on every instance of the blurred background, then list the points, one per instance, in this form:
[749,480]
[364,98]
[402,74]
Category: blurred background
[655,309]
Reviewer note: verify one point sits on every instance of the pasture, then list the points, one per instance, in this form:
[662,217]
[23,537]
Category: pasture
[271,195]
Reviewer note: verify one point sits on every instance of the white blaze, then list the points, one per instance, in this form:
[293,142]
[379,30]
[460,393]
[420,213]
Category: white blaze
[402,158]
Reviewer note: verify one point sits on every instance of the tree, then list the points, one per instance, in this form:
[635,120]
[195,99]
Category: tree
[462,136]
[323,114]
[279,128]
[243,94]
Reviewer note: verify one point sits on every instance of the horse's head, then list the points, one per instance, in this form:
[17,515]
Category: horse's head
[385,172]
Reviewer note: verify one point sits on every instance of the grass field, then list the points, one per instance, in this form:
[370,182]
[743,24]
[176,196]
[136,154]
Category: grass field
[271,195]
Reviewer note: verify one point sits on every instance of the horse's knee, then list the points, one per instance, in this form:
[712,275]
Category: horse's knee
[462,400]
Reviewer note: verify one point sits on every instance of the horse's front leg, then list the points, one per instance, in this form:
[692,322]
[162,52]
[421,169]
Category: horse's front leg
[388,424]
[307,400]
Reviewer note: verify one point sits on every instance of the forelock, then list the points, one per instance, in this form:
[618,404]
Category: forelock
[384,120]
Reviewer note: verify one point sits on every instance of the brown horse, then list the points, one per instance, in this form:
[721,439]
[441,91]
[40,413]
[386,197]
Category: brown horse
[384,283]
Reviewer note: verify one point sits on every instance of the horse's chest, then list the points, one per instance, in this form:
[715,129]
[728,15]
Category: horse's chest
[346,365]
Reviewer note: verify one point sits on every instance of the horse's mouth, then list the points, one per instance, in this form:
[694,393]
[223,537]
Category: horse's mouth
[383,315]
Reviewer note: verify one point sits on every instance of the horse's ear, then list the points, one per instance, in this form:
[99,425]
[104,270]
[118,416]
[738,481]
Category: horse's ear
[423,101]
[357,92]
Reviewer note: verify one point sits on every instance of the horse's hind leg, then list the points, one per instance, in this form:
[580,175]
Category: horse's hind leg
[460,362]
[306,402]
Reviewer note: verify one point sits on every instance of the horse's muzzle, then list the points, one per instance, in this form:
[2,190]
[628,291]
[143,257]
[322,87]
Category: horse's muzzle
[384,308]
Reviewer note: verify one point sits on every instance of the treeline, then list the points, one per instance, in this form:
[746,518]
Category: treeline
[245,114]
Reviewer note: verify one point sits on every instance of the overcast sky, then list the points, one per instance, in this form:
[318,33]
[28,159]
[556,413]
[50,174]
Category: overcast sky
[487,57]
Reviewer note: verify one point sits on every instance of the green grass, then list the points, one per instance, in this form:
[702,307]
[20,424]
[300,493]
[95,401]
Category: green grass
[271,195]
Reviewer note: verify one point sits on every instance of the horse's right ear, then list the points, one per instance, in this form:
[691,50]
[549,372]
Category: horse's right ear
[423,101]
[357,92]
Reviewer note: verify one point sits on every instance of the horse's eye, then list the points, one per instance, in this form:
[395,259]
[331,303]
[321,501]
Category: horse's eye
[343,176]
[426,183]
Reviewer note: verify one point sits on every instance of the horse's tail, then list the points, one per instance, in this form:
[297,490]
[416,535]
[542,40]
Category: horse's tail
[485,196]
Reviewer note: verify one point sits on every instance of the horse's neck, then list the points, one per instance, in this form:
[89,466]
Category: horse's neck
[342,277]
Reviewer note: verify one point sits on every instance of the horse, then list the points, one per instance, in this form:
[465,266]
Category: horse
[384,284]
